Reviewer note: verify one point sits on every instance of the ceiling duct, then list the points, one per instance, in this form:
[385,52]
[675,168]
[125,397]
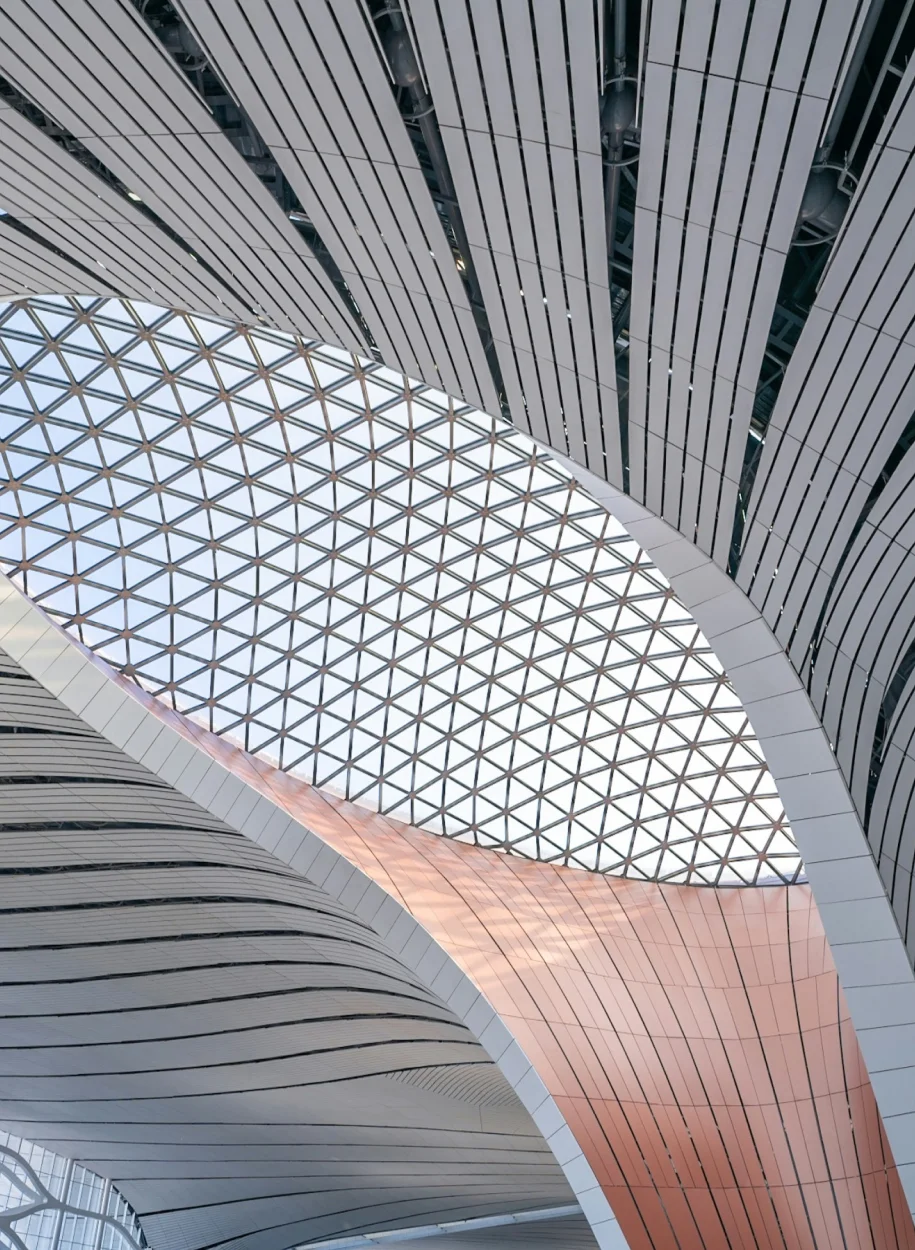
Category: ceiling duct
[885,44]
[418,112]
[620,141]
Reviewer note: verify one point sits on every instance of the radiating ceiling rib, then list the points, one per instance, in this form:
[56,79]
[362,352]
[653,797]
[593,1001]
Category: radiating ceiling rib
[732,118]
[387,175]
[337,207]
[348,158]
[28,267]
[532,199]
[103,76]
[75,210]
[866,634]
[828,551]
[891,813]
[847,398]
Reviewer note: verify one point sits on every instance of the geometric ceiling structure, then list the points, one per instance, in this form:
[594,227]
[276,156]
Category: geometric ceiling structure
[263,265]
[395,599]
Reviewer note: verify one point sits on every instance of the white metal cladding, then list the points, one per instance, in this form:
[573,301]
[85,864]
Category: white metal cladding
[101,74]
[93,226]
[401,602]
[734,106]
[311,80]
[517,101]
[27,266]
[828,554]
[235,1049]
[47,1201]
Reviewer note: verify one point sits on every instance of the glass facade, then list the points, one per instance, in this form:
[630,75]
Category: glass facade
[48,1202]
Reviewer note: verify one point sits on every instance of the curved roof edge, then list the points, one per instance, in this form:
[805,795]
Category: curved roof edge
[867,947]
[163,742]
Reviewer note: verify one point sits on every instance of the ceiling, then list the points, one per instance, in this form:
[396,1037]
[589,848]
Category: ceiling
[667,239]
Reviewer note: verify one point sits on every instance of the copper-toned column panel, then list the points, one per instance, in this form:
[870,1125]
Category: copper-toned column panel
[696,1040]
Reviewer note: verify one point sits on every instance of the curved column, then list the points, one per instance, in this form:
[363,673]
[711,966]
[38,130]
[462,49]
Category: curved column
[857,916]
[225,788]
[695,1040]
[686,1053]
[239,1053]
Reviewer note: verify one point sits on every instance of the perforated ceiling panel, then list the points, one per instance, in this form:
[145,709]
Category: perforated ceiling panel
[402,602]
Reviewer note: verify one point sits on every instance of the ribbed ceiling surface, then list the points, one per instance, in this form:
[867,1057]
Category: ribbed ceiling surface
[406,603]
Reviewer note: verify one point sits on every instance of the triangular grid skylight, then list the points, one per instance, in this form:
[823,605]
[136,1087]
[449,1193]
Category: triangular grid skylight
[409,605]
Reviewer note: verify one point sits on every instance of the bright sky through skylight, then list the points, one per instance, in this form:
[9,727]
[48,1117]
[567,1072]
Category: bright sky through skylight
[409,605]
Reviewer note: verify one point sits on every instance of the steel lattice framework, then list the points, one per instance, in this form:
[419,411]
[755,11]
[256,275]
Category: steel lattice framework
[395,599]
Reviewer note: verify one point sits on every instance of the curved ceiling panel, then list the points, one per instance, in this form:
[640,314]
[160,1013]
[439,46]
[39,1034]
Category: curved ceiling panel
[94,80]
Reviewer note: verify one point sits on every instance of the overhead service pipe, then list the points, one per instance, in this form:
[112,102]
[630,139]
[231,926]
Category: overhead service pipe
[868,26]
[405,71]
[616,116]
[404,66]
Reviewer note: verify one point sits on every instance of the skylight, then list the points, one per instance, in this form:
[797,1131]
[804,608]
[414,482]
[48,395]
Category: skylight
[401,601]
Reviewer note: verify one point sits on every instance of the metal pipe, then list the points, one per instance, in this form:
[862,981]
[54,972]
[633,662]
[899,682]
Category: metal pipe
[878,83]
[404,64]
[612,176]
[619,41]
[405,68]
[848,84]
[615,121]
